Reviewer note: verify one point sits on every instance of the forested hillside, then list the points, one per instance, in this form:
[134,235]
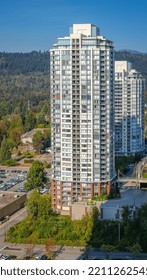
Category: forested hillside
[23,63]
[28,63]
[25,76]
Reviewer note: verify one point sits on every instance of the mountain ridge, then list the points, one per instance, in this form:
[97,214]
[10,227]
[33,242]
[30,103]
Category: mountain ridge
[25,76]
[132,51]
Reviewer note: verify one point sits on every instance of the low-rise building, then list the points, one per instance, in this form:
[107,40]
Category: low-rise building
[110,209]
[27,138]
[10,202]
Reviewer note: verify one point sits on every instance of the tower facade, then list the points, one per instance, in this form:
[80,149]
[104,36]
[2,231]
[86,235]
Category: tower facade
[82,116]
[129,109]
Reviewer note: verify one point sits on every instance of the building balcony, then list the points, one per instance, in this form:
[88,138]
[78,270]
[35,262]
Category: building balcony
[65,200]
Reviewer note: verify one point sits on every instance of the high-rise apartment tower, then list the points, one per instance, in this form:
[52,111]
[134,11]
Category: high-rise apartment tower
[129,109]
[82,102]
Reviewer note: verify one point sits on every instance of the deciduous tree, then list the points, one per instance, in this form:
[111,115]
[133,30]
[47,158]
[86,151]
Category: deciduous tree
[35,176]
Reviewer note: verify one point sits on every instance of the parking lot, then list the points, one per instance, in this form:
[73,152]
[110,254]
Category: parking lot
[12,179]
[7,257]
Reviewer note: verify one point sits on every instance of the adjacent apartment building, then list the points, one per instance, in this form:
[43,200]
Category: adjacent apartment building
[82,116]
[129,109]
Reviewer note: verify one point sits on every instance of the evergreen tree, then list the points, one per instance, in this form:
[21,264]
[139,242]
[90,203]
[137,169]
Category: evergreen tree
[5,153]
[41,120]
[30,120]
[38,141]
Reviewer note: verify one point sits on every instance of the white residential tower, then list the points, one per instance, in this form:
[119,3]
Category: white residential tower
[129,109]
[82,115]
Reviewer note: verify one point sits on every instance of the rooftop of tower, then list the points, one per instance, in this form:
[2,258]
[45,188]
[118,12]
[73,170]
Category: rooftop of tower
[87,29]
[124,65]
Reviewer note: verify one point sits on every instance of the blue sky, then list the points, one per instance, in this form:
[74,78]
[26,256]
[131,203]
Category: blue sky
[27,25]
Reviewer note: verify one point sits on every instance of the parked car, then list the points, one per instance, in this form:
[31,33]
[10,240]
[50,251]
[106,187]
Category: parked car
[43,257]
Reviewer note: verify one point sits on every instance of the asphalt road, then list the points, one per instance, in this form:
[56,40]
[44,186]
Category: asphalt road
[13,248]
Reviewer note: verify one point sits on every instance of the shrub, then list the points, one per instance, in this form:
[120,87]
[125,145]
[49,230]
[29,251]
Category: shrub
[28,160]
[47,164]
[10,162]
[19,153]
[101,197]
[27,154]
[108,248]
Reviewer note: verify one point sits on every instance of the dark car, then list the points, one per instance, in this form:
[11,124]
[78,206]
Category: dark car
[43,257]
[11,257]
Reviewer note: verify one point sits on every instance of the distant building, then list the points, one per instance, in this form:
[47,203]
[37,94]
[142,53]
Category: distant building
[129,109]
[27,138]
[82,116]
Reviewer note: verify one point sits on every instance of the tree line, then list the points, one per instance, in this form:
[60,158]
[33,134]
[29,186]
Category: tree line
[23,63]
[12,127]
[33,62]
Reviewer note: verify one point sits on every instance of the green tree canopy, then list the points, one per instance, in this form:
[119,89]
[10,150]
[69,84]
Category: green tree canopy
[39,206]
[41,121]
[15,121]
[47,136]
[35,176]
[4,125]
[15,130]
[45,109]
[5,153]
[38,141]
[30,120]
[136,249]
[126,213]
[142,226]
